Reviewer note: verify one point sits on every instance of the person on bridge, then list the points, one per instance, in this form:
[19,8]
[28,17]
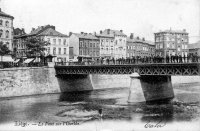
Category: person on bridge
[113,60]
[180,58]
[196,57]
[107,61]
[171,58]
[176,58]
[167,58]
[102,61]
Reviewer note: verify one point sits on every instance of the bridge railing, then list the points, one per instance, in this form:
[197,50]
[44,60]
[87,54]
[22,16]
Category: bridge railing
[132,61]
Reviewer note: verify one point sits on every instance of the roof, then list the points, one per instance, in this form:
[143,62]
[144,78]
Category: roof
[194,45]
[5,15]
[36,31]
[140,41]
[86,36]
[173,31]
[46,31]
[51,32]
[113,32]
[105,35]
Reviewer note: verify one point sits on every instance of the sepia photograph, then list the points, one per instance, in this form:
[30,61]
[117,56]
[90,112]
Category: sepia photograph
[99,65]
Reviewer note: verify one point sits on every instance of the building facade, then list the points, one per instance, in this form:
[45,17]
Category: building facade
[138,47]
[106,45]
[19,46]
[6,29]
[194,49]
[119,42]
[170,42]
[58,43]
[85,45]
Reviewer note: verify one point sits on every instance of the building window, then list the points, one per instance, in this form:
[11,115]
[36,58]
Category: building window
[7,24]
[54,50]
[173,45]
[182,46]
[7,34]
[1,32]
[168,45]
[179,48]
[161,45]
[54,41]
[59,51]
[59,41]
[64,50]
[64,42]
[48,50]
[80,44]
[1,22]
[186,46]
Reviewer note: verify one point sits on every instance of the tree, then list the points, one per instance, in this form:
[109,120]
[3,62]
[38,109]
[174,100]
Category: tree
[3,51]
[35,47]
[14,52]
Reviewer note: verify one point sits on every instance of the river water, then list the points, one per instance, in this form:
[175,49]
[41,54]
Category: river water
[80,110]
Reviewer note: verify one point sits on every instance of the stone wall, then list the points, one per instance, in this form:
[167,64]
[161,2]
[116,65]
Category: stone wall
[27,81]
[32,81]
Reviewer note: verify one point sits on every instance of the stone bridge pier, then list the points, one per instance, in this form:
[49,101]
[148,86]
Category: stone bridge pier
[150,88]
[75,82]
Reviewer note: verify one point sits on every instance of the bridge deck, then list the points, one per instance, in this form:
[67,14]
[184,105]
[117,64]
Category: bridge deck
[142,69]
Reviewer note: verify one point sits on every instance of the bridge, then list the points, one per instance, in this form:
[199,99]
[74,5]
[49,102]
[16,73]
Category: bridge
[142,69]
[149,81]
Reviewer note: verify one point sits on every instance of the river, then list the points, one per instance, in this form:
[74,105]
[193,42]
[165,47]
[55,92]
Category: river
[80,110]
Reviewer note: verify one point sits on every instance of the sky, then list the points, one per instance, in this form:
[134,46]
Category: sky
[141,17]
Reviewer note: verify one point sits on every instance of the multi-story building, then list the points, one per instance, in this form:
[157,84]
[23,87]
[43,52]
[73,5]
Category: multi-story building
[171,42]
[19,47]
[106,45]
[6,29]
[138,47]
[119,42]
[194,49]
[58,43]
[85,45]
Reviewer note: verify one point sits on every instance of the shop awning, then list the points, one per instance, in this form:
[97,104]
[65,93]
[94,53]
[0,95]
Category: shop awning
[6,59]
[17,60]
[28,60]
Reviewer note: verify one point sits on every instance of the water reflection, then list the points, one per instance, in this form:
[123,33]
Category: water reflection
[75,96]
[85,106]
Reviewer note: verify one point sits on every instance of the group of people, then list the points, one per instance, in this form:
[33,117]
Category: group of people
[149,59]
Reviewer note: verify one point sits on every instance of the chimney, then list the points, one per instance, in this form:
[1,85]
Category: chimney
[138,38]
[131,36]
[70,33]
[143,39]
[82,32]
[121,31]
[94,33]
[0,9]
[184,30]
[108,31]
[100,31]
